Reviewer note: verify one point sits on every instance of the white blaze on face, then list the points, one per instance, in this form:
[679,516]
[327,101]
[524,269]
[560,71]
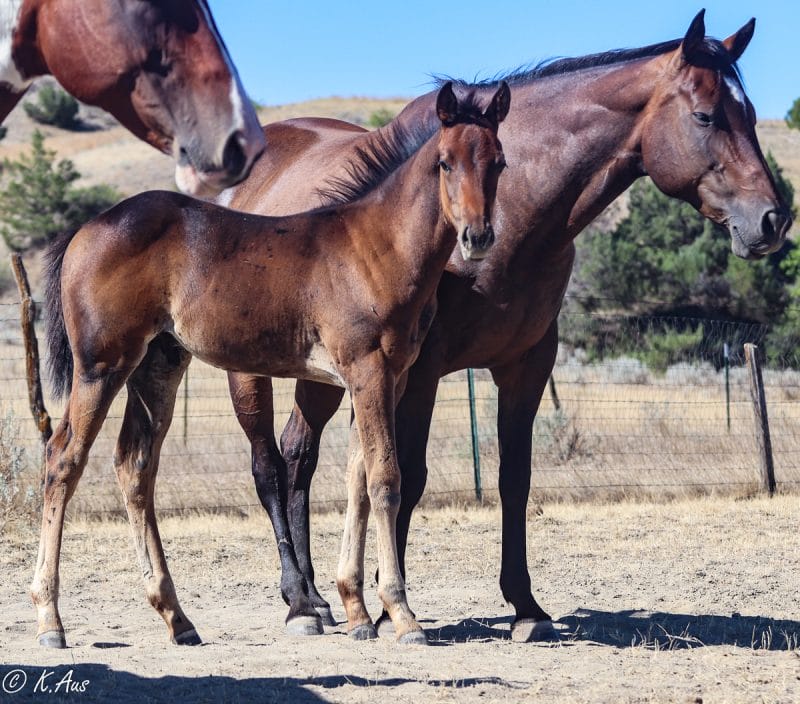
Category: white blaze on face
[736,90]
[9,17]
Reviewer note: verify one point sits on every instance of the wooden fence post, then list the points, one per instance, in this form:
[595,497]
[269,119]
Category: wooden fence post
[32,375]
[763,441]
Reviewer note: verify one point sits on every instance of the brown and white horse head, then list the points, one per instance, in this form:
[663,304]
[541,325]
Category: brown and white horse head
[699,142]
[159,66]
[470,162]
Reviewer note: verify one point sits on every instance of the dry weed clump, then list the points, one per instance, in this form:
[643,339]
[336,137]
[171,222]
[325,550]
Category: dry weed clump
[20,493]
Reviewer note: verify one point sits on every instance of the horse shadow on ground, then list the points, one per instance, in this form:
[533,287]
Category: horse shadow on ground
[630,628]
[94,682]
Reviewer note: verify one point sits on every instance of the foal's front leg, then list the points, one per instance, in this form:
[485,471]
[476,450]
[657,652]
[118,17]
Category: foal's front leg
[373,388]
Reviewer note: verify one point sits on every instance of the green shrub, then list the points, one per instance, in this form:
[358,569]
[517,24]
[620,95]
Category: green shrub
[53,107]
[38,200]
[380,117]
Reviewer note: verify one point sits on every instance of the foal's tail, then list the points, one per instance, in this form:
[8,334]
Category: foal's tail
[59,362]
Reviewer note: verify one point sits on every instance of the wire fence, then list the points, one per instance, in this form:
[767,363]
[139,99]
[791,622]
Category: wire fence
[617,428]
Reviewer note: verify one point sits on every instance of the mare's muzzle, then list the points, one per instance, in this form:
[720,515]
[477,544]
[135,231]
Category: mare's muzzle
[474,243]
[758,239]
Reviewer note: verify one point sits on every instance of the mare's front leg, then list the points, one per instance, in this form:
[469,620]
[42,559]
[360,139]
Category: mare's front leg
[152,389]
[520,388]
[67,452]
[314,406]
[373,387]
[253,403]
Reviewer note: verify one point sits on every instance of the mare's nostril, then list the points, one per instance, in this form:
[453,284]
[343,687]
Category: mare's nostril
[234,159]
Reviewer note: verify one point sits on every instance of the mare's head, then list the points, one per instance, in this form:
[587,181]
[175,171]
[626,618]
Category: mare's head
[699,142]
[161,68]
[470,160]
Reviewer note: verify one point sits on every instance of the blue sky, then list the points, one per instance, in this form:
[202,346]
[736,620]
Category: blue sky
[292,51]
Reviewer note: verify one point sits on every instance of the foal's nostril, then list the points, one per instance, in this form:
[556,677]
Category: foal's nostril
[775,224]
[234,158]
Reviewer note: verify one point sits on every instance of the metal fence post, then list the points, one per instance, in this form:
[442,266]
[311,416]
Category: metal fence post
[726,351]
[473,418]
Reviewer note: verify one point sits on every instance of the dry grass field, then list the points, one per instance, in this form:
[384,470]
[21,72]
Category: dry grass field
[688,601]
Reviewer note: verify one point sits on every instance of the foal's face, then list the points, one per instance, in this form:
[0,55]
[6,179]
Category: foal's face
[161,68]
[700,145]
[470,162]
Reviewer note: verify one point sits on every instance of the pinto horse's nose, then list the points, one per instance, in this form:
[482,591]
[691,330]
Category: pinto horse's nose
[775,224]
[234,158]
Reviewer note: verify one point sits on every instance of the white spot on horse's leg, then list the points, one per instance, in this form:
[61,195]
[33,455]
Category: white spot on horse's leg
[9,73]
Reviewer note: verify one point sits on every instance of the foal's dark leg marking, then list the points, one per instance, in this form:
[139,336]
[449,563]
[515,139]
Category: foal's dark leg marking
[520,388]
[152,389]
[315,405]
[252,400]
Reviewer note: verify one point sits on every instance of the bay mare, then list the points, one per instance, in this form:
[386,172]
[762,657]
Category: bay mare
[161,68]
[342,295]
[579,132]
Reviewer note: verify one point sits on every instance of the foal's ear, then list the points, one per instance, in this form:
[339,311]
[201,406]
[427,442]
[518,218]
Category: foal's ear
[692,44]
[737,43]
[501,102]
[447,104]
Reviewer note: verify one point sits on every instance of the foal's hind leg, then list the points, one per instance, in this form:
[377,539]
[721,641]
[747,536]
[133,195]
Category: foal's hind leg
[252,400]
[314,406]
[151,399]
[67,453]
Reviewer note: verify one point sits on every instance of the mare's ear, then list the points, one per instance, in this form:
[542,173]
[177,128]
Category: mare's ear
[737,43]
[447,104]
[692,44]
[501,102]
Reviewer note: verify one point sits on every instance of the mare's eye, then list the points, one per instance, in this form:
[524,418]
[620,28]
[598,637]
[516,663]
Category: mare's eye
[702,118]
[444,166]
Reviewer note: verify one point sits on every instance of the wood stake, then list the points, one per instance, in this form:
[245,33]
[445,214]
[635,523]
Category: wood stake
[763,441]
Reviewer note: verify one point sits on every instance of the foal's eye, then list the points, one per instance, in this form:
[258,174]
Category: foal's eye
[444,166]
[702,118]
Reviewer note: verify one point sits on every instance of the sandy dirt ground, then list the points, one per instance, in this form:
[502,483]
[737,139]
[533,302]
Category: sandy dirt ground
[696,601]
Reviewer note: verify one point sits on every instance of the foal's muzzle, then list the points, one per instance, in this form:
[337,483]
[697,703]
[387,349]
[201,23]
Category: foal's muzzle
[474,244]
[762,237]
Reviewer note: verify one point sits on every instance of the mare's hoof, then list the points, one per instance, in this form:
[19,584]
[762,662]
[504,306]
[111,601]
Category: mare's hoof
[385,627]
[189,637]
[326,615]
[52,639]
[366,631]
[527,630]
[413,638]
[304,626]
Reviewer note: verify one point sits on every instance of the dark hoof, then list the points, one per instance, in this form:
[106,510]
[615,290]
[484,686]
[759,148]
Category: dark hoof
[326,615]
[304,626]
[366,631]
[385,627]
[52,639]
[413,638]
[189,637]
[528,630]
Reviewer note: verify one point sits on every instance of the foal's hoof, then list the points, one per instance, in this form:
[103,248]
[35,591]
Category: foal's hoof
[413,638]
[304,626]
[366,631]
[527,630]
[326,615]
[52,639]
[189,637]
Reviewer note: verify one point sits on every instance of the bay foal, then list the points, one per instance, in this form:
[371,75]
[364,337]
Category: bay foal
[160,68]
[341,295]
[580,131]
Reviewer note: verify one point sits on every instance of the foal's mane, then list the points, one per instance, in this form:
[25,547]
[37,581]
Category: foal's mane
[714,54]
[388,148]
